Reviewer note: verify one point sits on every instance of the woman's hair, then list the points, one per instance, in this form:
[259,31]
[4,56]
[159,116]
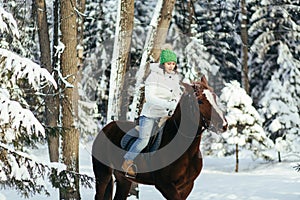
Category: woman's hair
[163,67]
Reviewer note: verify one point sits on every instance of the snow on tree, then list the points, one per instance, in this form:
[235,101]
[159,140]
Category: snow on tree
[279,104]
[297,167]
[14,69]
[275,34]
[120,59]
[8,23]
[271,24]
[216,24]
[244,122]
[198,60]
[19,127]
[98,46]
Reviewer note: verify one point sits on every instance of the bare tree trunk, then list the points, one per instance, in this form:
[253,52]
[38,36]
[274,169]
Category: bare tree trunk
[157,34]
[53,139]
[120,60]
[236,157]
[244,36]
[80,31]
[70,139]
[279,156]
[51,100]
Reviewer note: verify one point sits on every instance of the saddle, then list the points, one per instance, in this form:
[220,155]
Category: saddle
[131,136]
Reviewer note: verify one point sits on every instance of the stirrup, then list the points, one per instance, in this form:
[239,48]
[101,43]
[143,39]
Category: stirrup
[134,168]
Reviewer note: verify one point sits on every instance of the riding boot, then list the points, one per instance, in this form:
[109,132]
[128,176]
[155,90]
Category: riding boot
[127,166]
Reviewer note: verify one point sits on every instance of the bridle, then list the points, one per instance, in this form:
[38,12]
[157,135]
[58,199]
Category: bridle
[204,122]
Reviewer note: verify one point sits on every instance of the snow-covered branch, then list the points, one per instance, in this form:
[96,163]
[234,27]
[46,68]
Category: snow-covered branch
[29,177]
[17,121]
[24,68]
[8,23]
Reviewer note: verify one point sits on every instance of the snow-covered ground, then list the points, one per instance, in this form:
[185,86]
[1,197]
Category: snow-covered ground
[256,180]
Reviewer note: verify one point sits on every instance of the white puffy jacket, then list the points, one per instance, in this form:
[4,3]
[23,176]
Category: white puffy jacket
[162,92]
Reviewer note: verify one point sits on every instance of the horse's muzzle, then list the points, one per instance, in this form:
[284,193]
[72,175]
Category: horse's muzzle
[218,129]
[224,128]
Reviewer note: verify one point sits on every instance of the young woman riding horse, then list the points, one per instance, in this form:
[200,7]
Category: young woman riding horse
[162,93]
[173,168]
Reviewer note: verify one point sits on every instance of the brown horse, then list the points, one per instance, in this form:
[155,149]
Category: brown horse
[173,168]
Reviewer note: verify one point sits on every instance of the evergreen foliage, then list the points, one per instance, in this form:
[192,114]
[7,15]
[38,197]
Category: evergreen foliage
[206,37]
[274,69]
[19,127]
[245,123]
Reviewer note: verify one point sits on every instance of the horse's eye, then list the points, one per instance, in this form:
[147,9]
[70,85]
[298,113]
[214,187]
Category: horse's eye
[200,102]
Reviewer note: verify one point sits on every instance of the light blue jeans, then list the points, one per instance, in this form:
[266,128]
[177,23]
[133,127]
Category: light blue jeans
[146,127]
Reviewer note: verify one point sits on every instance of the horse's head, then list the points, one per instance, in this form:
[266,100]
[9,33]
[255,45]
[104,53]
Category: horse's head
[212,116]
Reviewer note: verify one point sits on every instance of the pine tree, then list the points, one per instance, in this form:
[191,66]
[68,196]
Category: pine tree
[245,124]
[272,23]
[18,125]
[274,67]
[98,45]
[280,103]
[214,38]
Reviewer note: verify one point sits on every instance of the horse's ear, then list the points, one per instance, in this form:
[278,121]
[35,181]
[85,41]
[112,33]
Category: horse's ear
[185,84]
[204,80]
[187,87]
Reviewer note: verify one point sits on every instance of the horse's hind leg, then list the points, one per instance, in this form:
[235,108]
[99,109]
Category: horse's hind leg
[109,190]
[104,182]
[122,187]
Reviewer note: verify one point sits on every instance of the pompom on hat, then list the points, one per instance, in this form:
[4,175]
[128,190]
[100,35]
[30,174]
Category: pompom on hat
[167,56]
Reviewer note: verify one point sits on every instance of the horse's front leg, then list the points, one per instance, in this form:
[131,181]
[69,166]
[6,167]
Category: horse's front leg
[169,191]
[123,186]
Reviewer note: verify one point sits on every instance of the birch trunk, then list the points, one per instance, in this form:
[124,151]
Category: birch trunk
[120,60]
[70,139]
[156,37]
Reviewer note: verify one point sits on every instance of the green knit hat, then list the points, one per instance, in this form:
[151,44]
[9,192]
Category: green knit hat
[167,56]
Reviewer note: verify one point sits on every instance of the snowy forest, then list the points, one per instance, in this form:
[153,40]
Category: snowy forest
[69,67]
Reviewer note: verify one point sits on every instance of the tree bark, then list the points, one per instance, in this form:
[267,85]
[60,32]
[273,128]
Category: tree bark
[279,156]
[70,139]
[51,100]
[121,56]
[80,33]
[156,37]
[244,36]
[236,158]
[163,24]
